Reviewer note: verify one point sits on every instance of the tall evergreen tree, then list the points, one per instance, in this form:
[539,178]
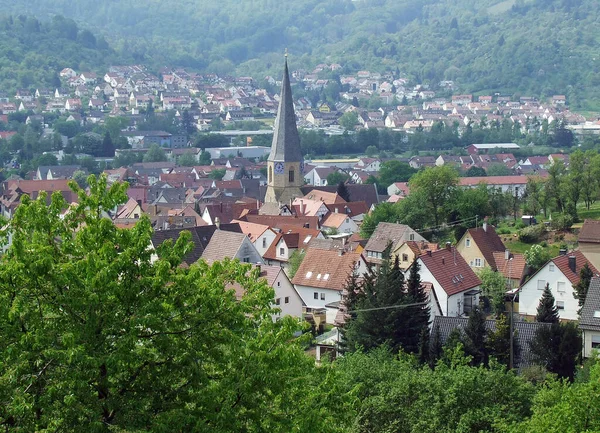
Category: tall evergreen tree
[342,191]
[498,342]
[436,349]
[581,288]
[351,294]
[108,148]
[474,337]
[557,347]
[547,312]
[418,319]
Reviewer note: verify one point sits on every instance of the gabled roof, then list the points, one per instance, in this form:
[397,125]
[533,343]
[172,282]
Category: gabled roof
[512,268]
[450,270]
[325,269]
[276,221]
[324,196]
[525,333]
[252,230]
[286,141]
[562,263]
[356,192]
[488,241]
[385,233]
[590,313]
[351,208]
[590,231]
[200,237]
[223,244]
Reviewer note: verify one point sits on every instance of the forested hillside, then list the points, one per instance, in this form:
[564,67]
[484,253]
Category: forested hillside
[32,52]
[540,47]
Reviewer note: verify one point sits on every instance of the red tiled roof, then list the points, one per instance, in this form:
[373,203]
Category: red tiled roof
[493,180]
[450,270]
[590,231]
[562,263]
[512,269]
[325,269]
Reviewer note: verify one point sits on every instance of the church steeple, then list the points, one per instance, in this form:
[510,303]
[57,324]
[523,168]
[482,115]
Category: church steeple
[284,165]
[286,141]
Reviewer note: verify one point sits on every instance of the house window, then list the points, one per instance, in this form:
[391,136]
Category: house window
[560,286]
[270,175]
[287,299]
[560,305]
[278,283]
[541,284]
[411,237]
[278,301]
[316,295]
[281,251]
[468,242]
[322,296]
[291,175]
[478,263]
[595,341]
[405,257]
[551,267]
[264,242]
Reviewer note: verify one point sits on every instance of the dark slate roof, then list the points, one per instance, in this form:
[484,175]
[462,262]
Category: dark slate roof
[357,192]
[588,318]
[200,237]
[286,141]
[524,335]
[590,231]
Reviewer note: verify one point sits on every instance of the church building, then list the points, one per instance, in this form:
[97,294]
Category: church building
[285,163]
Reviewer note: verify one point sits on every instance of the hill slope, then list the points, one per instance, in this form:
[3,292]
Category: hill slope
[540,47]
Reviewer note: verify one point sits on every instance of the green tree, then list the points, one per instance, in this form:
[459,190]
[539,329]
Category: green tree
[475,171]
[336,177]
[99,336]
[155,153]
[108,148]
[498,341]
[342,191]
[383,212]
[81,178]
[217,174]
[493,286]
[498,169]
[371,150]
[547,311]
[557,348]
[536,257]
[294,262]
[417,339]
[348,120]
[437,186]
[582,286]
[187,160]
[474,338]
[205,158]
[394,171]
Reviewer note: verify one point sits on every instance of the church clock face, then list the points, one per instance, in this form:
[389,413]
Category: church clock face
[279,168]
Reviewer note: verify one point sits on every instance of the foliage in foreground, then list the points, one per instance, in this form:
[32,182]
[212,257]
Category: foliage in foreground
[97,336]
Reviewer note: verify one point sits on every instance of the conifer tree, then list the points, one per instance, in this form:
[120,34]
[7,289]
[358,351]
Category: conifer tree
[581,288]
[418,319]
[436,349]
[342,191]
[547,312]
[474,338]
[498,342]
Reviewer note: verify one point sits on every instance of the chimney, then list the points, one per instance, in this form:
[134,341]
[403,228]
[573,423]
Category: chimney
[506,254]
[562,252]
[429,253]
[218,223]
[341,252]
[221,207]
[139,202]
[448,246]
[443,261]
[336,210]
[485,220]
[301,207]
[573,264]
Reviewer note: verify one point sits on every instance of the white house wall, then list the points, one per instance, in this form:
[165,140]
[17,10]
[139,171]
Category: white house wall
[532,290]
[285,289]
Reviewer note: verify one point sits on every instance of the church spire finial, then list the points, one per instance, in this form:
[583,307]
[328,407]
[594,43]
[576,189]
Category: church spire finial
[285,54]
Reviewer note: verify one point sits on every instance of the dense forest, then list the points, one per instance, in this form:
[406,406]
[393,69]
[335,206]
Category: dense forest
[540,47]
[32,52]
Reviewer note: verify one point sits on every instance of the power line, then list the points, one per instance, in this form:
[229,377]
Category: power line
[387,307]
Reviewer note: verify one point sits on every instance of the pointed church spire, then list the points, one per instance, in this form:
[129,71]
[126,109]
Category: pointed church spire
[286,141]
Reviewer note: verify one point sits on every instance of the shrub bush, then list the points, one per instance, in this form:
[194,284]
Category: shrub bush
[562,222]
[531,234]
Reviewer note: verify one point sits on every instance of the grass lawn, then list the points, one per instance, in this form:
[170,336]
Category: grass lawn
[592,213]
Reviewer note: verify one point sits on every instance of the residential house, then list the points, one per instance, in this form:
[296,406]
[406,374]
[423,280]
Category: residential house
[589,321]
[130,210]
[455,287]
[262,236]
[287,242]
[512,266]
[388,234]
[561,274]
[477,246]
[589,241]
[321,277]
[408,251]
[513,184]
[337,222]
[306,207]
[225,244]
[318,175]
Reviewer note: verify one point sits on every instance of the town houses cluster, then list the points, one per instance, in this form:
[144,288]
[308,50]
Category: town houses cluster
[275,211]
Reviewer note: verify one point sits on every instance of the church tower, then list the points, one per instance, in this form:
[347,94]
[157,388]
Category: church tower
[284,165]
